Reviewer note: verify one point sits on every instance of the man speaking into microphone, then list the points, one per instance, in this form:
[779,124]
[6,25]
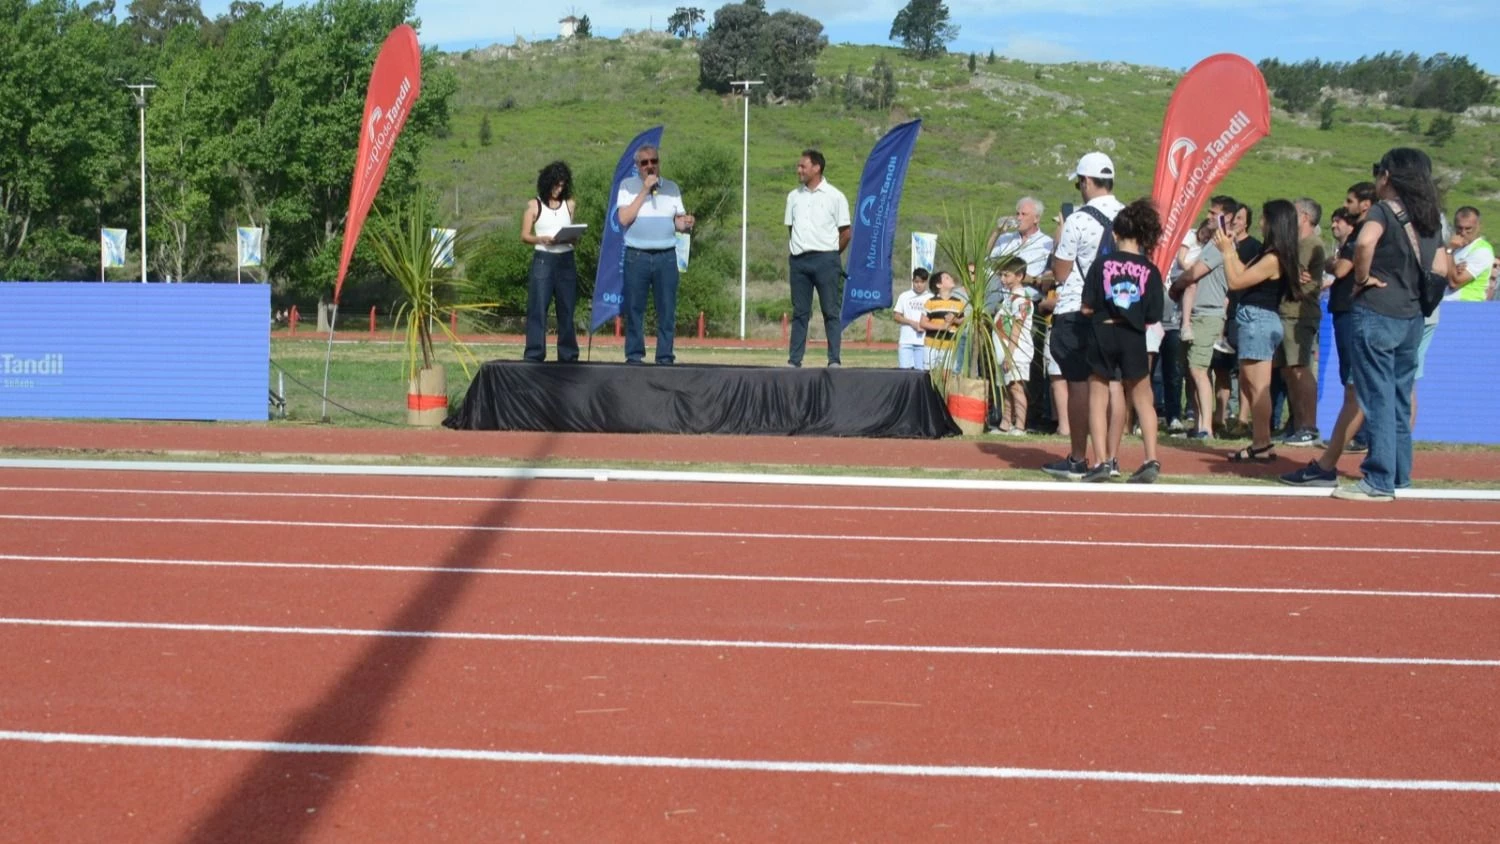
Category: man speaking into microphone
[651,213]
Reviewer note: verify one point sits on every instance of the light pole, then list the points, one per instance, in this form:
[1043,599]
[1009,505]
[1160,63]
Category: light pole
[140,89]
[744,85]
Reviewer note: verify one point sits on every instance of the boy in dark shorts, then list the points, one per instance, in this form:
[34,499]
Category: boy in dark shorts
[1122,293]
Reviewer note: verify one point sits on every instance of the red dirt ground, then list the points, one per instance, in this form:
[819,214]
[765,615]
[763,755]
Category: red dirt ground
[990,453]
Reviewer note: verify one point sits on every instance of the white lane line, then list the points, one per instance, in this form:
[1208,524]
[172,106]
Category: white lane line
[726,534]
[737,505]
[749,578]
[754,478]
[775,766]
[742,644]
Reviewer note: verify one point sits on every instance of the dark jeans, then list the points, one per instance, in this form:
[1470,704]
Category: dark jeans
[1169,364]
[655,270]
[815,271]
[1384,350]
[554,277]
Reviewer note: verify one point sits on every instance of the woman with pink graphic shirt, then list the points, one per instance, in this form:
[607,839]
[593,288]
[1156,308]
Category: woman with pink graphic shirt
[1122,294]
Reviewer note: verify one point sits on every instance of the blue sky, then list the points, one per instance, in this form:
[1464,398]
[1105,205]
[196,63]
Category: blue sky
[1168,33]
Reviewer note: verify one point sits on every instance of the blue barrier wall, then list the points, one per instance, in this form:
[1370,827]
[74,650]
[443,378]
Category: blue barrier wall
[134,351]
[1458,398]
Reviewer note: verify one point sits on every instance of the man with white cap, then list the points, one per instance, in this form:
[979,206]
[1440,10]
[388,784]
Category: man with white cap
[1077,248]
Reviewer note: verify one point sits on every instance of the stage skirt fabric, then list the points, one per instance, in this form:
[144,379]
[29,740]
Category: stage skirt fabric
[620,398]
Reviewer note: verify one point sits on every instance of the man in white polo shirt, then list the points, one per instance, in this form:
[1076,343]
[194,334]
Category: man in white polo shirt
[1077,249]
[651,212]
[817,221]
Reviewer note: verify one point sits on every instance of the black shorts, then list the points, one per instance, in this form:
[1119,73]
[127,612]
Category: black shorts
[1072,334]
[1118,353]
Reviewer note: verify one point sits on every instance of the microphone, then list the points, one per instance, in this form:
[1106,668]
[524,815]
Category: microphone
[654,187]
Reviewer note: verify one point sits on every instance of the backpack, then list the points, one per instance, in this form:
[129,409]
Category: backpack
[1107,241]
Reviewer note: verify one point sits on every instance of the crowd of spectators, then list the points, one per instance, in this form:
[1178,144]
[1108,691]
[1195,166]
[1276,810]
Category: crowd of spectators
[1231,351]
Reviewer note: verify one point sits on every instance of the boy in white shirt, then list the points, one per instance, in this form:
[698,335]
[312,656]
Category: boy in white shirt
[1014,344]
[911,305]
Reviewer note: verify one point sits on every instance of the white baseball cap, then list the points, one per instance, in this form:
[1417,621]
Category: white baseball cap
[1095,165]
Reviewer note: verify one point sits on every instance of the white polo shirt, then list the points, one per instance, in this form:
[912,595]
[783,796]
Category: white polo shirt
[1079,243]
[815,217]
[655,224]
[1035,250]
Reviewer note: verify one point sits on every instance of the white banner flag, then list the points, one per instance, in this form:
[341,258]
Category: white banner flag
[251,253]
[923,251]
[112,247]
[442,248]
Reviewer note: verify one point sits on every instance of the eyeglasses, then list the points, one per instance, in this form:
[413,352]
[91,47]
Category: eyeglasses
[644,161]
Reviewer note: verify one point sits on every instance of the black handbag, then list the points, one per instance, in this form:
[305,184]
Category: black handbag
[1431,286]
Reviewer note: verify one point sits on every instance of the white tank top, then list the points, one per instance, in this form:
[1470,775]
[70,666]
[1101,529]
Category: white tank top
[548,222]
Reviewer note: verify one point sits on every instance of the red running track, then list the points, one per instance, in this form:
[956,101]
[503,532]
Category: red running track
[1027,666]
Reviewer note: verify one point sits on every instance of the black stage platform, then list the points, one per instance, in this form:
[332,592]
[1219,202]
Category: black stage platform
[618,398]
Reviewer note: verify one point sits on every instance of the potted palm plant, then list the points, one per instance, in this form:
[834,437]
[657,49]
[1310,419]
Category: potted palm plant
[409,245]
[965,376]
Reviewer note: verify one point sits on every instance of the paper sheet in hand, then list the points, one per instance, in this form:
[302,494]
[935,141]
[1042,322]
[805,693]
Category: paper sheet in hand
[569,234]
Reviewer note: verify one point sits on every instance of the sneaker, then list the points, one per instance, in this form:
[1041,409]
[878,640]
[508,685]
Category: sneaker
[1114,468]
[1311,475]
[833,364]
[1098,474]
[996,429]
[1357,446]
[1304,438]
[1067,468]
[1362,491]
[1147,474]
[1175,426]
[1017,432]
[1197,435]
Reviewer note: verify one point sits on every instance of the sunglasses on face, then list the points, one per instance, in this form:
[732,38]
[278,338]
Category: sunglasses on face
[644,161]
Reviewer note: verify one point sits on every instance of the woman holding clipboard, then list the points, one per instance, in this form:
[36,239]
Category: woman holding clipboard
[548,225]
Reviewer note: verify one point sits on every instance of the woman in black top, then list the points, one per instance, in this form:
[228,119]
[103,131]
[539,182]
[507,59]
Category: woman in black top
[1269,278]
[1396,246]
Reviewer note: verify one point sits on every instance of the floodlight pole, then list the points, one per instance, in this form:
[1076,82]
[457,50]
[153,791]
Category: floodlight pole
[745,196]
[140,89]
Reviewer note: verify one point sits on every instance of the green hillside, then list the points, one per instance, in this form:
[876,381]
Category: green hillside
[1011,128]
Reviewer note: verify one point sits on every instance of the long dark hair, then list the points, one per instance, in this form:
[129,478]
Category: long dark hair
[1410,174]
[1140,222]
[553,174]
[1280,220]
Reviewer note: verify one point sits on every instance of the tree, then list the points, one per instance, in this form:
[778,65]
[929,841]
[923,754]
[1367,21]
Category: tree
[744,42]
[1441,129]
[973,62]
[923,28]
[152,21]
[789,45]
[1325,114]
[584,30]
[729,48]
[684,22]
[486,135]
[991,59]
[1414,125]
[64,135]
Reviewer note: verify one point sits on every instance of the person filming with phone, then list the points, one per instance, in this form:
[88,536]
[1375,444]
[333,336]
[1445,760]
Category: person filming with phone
[651,213]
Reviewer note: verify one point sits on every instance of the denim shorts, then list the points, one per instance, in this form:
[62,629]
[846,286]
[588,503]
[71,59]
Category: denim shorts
[1260,333]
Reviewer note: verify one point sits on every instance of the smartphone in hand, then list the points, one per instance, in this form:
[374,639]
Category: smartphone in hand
[1067,210]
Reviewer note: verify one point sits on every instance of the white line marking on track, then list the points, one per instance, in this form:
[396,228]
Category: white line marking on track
[648,641]
[754,478]
[749,578]
[739,505]
[724,534]
[776,766]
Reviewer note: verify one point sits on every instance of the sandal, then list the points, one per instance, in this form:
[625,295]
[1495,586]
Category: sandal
[1252,454]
